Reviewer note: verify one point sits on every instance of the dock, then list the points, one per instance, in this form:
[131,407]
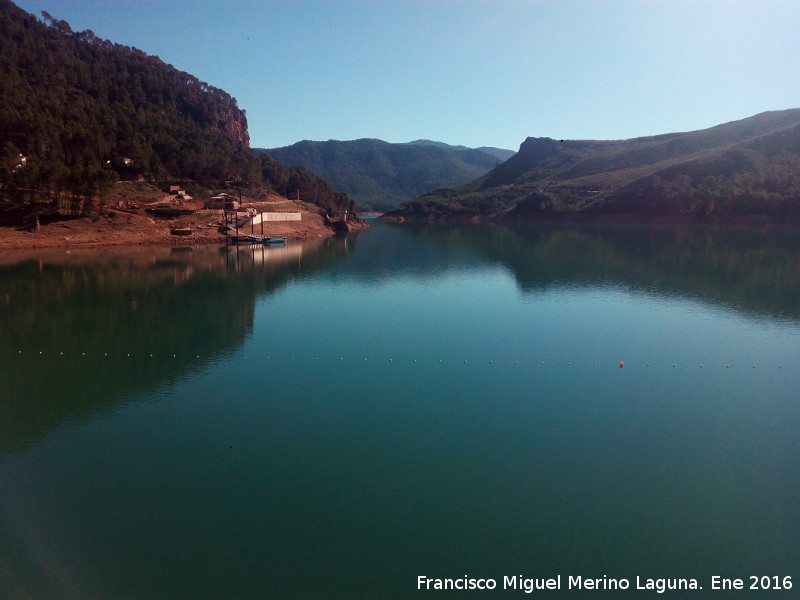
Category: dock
[255,238]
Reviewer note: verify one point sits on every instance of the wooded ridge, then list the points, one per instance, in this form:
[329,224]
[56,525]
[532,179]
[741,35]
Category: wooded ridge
[78,113]
[380,175]
[747,169]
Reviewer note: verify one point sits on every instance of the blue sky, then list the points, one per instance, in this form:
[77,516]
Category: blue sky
[471,72]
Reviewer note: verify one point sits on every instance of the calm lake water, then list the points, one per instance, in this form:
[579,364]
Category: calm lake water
[334,419]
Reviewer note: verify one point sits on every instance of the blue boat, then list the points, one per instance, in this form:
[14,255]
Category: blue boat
[254,238]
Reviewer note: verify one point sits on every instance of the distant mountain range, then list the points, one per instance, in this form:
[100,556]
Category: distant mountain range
[380,175]
[498,152]
[740,171]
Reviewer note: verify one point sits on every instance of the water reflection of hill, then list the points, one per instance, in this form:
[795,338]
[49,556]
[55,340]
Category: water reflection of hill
[108,311]
[96,327]
[755,271]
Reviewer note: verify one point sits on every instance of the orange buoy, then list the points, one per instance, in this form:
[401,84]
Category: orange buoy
[621,364]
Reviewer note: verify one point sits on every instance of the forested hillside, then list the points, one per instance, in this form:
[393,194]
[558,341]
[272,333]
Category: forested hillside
[736,171]
[78,112]
[500,153]
[380,175]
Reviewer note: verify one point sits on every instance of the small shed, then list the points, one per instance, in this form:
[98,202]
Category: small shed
[222,201]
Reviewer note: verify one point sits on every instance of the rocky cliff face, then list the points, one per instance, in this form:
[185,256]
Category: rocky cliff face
[232,123]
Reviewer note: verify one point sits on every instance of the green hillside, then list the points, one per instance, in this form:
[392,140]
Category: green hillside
[500,153]
[69,98]
[736,171]
[77,113]
[380,175]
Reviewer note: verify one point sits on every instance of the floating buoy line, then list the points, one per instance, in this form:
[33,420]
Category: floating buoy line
[364,359]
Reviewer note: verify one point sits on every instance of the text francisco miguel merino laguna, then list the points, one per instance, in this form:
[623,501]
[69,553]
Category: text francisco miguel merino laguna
[573,582]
